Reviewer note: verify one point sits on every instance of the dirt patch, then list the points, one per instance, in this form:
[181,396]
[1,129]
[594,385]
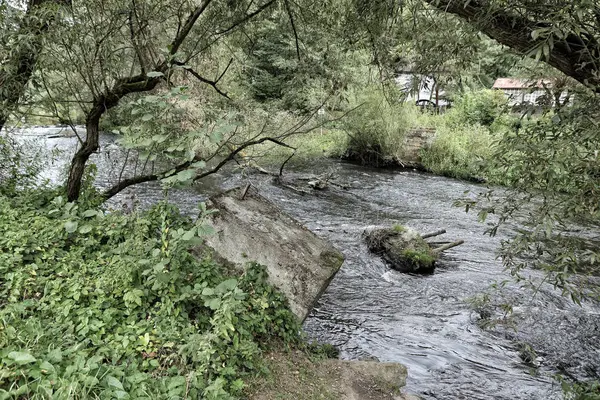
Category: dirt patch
[294,376]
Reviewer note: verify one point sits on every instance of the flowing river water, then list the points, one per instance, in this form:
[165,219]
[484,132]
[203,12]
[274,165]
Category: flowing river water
[369,311]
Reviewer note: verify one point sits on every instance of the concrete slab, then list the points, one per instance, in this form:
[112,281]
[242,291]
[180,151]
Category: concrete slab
[251,228]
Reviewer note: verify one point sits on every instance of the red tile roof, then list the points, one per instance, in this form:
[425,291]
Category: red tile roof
[513,83]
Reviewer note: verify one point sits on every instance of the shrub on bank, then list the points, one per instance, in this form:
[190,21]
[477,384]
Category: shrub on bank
[481,107]
[466,138]
[459,152]
[96,305]
[375,129]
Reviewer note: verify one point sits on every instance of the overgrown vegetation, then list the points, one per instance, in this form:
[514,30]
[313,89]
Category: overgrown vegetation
[376,128]
[197,82]
[466,136]
[98,305]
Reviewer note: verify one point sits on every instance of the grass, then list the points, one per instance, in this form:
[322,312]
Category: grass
[297,375]
[399,228]
[328,143]
[459,152]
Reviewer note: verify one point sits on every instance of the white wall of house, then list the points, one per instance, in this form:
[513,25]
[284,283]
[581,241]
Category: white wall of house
[420,87]
[517,97]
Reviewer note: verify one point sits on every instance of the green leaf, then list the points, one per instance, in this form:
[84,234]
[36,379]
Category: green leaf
[154,74]
[147,117]
[215,137]
[114,382]
[86,229]
[55,355]
[213,304]
[206,230]
[159,138]
[21,357]
[226,285]
[546,50]
[46,367]
[133,296]
[189,155]
[71,226]
[189,235]
[186,175]
[176,381]
[90,213]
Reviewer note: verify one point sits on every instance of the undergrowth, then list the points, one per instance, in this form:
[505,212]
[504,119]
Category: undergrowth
[97,305]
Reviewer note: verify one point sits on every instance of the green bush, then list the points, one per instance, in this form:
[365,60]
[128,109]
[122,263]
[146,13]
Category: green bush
[480,107]
[459,152]
[467,136]
[581,391]
[96,305]
[376,129]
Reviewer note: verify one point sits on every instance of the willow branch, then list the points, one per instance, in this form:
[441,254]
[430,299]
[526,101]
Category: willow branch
[203,79]
[247,17]
[125,183]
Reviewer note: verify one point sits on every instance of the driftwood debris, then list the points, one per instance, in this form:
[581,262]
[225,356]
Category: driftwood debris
[433,234]
[405,250]
[448,246]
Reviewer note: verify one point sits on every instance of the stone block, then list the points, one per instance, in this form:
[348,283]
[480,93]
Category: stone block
[251,228]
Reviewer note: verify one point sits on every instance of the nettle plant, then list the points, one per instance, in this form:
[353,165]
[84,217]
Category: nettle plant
[97,305]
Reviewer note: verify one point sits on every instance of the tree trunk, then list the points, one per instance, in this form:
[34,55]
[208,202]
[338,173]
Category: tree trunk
[574,55]
[3,118]
[89,146]
[105,102]
[14,79]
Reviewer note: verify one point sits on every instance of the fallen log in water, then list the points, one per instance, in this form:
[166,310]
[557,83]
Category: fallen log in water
[405,250]
[432,234]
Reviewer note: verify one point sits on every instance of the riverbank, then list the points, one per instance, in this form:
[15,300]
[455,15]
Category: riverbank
[459,154]
[99,304]
[462,143]
[295,376]
[103,304]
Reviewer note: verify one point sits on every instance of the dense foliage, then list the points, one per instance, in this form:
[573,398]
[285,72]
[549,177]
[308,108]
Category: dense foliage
[466,137]
[104,305]
[553,165]
[375,128]
[100,304]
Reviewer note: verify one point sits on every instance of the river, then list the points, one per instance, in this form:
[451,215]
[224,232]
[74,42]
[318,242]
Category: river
[425,322]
